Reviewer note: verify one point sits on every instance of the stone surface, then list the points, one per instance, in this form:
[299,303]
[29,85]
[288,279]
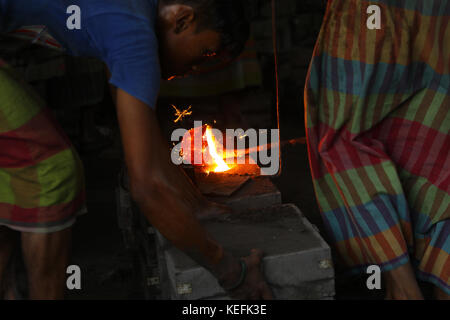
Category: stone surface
[297,262]
[255,194]
[213,185]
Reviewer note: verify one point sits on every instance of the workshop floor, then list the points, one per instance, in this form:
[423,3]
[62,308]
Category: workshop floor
[97,241]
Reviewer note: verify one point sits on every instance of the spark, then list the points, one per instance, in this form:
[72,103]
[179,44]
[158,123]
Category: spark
[243,136]
[181,114]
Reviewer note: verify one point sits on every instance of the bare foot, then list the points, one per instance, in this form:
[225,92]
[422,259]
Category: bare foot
[10,294]
[10,290]
[401,284]
[440,294]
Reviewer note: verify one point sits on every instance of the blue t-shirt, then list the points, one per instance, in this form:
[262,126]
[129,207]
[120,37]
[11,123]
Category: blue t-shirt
[119,32]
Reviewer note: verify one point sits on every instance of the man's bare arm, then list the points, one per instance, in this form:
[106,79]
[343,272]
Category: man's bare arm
[170,201]
[163,191]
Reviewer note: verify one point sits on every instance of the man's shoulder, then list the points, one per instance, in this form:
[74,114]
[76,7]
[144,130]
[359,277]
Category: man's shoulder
[119,25]
[139,9]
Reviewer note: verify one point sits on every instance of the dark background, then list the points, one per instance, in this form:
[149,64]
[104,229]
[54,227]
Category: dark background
[76,90]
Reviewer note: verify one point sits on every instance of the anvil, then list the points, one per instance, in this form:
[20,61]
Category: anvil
[297,262]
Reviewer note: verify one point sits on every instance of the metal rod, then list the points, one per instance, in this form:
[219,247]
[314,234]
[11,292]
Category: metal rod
[280,144]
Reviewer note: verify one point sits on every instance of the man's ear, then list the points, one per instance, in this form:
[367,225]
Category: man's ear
[184,18]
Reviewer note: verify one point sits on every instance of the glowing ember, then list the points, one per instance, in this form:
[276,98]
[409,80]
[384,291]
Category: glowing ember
[219,163]
[206,151]
[181,114]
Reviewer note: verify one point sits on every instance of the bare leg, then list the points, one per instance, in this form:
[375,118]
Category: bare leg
[7,240]
[401,284]
[46,258]
[440,295]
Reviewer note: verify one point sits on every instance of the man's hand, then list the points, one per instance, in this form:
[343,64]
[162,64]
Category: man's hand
[253,287]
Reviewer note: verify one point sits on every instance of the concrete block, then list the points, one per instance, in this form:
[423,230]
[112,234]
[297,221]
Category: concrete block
[258,193]
[297,262]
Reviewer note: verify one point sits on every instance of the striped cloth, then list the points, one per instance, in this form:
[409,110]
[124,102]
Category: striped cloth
[38,35]
[41,176]
[378,123]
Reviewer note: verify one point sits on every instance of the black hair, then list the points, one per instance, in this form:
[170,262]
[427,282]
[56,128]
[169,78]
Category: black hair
[227,17]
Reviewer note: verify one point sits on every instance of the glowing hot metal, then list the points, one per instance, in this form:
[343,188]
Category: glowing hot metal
[219,163]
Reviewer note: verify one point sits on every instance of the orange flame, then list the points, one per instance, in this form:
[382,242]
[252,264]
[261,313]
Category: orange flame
[219,163]
[208,151]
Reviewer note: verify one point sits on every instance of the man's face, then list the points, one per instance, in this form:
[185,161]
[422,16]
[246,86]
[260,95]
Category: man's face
[182,46]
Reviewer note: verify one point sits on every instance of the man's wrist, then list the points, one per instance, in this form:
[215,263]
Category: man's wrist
[228,271]
[233,286]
